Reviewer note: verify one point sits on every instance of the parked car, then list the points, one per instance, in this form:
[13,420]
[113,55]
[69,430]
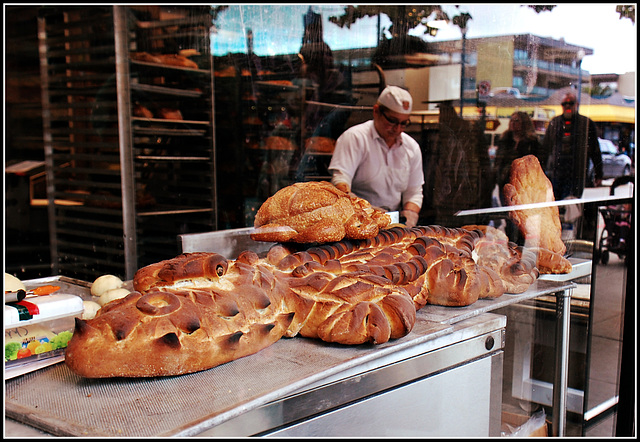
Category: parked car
[614,163]
[502,91]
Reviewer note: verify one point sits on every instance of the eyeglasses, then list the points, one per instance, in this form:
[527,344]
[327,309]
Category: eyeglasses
[403,124]
[568,103]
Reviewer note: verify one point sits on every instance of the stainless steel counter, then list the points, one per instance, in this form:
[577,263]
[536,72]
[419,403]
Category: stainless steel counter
[297,386]
[60,403]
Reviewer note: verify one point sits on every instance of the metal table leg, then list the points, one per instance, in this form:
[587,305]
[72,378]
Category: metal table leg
[560,383]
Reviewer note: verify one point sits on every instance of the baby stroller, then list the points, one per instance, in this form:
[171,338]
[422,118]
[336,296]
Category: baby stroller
[615,236]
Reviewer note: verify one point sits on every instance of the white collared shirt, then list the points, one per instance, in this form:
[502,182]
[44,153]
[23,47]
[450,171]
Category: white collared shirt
[387,177]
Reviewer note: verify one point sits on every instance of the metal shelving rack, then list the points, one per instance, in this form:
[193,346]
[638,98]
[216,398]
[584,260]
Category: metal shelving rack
[121,188]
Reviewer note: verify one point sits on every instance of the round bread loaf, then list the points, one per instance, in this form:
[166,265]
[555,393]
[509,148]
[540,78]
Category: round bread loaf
[319,145]
[104,283]
[313,212]
[278,143]
[12,284]
[112,294]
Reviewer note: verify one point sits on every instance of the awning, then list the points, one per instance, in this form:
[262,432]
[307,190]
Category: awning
[603,112]
[613,109]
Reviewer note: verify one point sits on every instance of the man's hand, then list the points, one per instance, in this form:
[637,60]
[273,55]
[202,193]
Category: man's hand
[411,217]
[343,187]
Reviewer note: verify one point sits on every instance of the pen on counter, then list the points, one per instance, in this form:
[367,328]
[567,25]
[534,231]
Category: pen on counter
[21,294]
[16,296]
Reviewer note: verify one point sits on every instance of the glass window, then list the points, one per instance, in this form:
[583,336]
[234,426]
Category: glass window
[521,54]
[231,103]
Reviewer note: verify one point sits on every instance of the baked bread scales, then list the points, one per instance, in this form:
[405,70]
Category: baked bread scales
[316,212]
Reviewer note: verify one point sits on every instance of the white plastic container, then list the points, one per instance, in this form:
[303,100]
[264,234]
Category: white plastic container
[37,330]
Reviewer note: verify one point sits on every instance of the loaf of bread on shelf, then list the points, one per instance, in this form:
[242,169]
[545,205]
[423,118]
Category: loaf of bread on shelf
[229,71]
[278,143]
[145,57]
[165,59]
[177,60]
[277,82]
[528,184]
[141,111]
[316,211]
[169,114]
[319,145]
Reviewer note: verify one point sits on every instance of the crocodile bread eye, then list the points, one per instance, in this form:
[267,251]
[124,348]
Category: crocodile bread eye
[216,265]
[158,303]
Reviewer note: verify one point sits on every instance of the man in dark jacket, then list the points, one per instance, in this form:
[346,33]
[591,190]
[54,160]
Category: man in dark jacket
[571,139]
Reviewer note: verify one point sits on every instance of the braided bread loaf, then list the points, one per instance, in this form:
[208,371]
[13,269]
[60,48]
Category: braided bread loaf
[515,266]
[200,310]
[351,292]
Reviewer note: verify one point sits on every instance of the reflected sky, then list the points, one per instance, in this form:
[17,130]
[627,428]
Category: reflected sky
[277,29]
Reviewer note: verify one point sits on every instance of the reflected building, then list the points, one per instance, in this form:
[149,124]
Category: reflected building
[531,64]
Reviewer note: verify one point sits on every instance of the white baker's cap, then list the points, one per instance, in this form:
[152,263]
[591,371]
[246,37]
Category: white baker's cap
[396,99]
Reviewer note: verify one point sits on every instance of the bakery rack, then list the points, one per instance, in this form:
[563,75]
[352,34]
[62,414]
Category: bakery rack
[259,103]
[121,187]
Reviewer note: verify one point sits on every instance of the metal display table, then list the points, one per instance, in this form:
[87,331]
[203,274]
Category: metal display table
[230,243]
[293,381]
[581,268]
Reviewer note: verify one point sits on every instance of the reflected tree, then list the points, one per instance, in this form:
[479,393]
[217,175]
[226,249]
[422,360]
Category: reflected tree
[627,11]
[404,18]
[409,17]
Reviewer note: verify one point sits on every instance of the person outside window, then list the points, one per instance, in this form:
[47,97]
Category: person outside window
[570,140]
[317,57]
[517,141]
[377,161]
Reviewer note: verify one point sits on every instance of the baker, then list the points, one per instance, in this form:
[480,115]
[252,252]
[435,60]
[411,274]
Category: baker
[377,161]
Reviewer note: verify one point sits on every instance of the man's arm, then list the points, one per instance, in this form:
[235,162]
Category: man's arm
[341,180]
[412,202]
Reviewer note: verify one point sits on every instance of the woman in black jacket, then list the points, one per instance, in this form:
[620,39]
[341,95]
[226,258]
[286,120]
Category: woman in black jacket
[516,142]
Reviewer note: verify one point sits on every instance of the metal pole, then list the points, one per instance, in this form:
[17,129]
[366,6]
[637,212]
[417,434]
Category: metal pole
[560,381]
[47,138]
[130,236]
[579,85]
[462,62]
[580,55]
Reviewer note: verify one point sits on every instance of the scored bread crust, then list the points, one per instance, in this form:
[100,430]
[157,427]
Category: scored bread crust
[200,310]
[528,184]
[193,317]
[316,212]
[540,227]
